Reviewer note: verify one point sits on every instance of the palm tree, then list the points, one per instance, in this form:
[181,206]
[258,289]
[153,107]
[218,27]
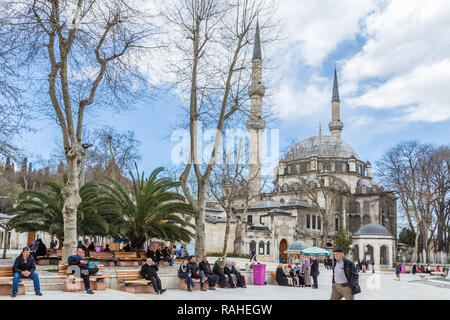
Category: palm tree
[42,211]
[151,210]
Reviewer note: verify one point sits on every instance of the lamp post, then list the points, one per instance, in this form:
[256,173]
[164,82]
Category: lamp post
[85,146]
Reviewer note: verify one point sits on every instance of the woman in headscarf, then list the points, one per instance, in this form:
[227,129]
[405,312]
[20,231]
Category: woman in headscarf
[281,277]
[293,275]
[286,272]
[239,277]
[307,272]
[299,273]
[217,270]
[228,270]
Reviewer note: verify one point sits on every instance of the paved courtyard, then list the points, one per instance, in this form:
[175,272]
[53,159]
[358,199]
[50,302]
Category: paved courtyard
[382,286]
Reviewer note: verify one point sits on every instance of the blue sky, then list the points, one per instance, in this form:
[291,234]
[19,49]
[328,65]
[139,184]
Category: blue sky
[393,61]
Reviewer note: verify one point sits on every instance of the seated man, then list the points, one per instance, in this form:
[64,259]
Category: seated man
[127,248]
[196,273]
[166,256]
[41,250]
[91,246]
[85,271]
[158,256]
[107,249]
[184,273]
[206,268]
[24,267]
[149,272]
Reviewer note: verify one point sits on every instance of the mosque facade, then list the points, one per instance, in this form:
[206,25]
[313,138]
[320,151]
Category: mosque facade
[321,183]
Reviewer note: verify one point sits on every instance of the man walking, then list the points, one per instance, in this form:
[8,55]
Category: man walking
[24,267]
[345,277]
[253,255]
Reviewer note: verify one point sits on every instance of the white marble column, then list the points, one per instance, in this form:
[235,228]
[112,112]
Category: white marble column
[376,255]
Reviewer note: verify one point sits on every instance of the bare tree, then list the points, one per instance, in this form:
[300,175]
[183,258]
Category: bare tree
[229,184]
[88,52]
[418,174]
[212,40]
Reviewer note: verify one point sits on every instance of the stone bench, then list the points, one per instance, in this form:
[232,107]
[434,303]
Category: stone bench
[74,284]
[131,281]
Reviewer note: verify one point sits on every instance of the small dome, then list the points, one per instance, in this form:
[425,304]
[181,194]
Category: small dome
[298,245]
[321,146]
[373,229]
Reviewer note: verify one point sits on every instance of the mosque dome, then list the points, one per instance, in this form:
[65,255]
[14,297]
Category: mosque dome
[373,229]
[297,246]
[322,147]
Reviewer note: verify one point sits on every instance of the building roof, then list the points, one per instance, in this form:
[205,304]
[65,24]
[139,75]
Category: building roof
[323,147]
[264,204]
[373,229]
[297,246]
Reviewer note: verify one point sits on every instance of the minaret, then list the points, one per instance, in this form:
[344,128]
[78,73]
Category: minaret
[256,124]
[336,125]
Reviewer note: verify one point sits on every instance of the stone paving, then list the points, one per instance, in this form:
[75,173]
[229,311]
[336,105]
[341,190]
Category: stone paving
[382,286]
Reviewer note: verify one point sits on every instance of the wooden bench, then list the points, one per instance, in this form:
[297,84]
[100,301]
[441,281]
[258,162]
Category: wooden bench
[107,258]
[127,259]
[131,281]
[71,286]
[6,275]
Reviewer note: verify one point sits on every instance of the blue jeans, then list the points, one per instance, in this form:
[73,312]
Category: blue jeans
[189,281]
[17,276]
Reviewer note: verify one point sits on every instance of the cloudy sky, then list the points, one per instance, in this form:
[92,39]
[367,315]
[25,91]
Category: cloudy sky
[393,62]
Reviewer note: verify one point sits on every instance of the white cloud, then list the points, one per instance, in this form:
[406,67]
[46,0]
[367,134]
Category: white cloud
[315,28]
[407,53]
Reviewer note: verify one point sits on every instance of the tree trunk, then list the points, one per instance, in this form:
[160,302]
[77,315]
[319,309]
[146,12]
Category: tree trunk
[72,199]
[324,231]
[5,245]
[227,235]
[237,238]
[416,246]
[200,249]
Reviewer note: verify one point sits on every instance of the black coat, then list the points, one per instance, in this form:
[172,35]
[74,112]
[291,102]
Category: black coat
[148,271]
[350,273]
[20,264]
[74,260]
[183,269]
[205,267]
[41,250]
[281,277]
[193,267]
[314,268]
[217,270]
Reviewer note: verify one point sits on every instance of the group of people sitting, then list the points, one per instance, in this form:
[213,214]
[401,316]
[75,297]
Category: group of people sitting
[38,249]
[299,275]
[428,269]
[189,269]
[159,255]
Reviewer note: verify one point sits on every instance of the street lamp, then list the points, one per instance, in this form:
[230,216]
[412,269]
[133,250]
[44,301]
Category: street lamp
[83,164]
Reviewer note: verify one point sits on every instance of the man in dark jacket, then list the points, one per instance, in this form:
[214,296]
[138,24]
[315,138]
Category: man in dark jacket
[149,272]
[196,273]
[345,277]
[41,249]
[24,267]
[167,256]
[206,268]
[85,271]
[217,270]
[315,272]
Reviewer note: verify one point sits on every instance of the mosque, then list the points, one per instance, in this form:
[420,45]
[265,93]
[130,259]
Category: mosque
[320,177]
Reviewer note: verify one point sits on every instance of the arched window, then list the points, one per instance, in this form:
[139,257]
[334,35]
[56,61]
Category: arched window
[282,201]
[268,248]
[261,247]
